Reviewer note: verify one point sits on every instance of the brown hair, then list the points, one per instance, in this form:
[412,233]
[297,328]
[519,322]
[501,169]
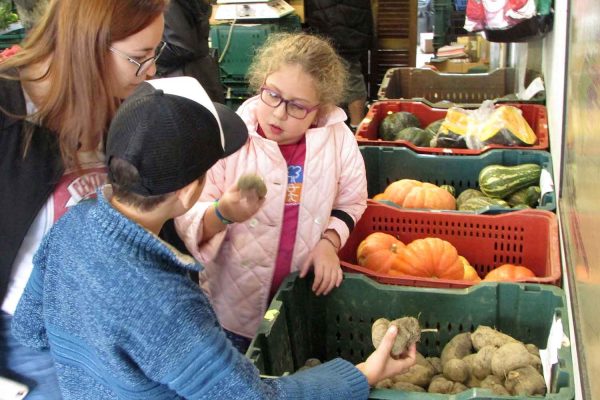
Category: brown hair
[122,175]
[314,54]
[75,36]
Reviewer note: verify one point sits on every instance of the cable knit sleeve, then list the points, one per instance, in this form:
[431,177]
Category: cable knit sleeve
[28,324]
[194,358]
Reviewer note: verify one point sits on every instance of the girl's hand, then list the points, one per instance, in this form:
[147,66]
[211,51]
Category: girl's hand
[326,264]
[381,364]
[238,205]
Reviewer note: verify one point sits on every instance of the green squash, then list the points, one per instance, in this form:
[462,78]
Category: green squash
[501,181]
[529,196]
[480,203]
[417,136]
[466,195]
[395,122]
[434,127]
[450,189]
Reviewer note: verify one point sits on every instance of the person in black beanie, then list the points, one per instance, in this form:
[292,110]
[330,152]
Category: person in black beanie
[187,53]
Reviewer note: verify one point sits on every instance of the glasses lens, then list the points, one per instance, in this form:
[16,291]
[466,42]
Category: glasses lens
[296,111]
[146,64]
[270,98]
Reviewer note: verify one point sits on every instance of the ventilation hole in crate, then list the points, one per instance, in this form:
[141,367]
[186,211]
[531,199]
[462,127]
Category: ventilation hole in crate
[362,354]
[338,351]
[472,329]
[351,336]
[361,337]
[350,318]
[438,326]
[426,342]
[437,343]
[352,352]
[337,318]
[460,327]
[338,336]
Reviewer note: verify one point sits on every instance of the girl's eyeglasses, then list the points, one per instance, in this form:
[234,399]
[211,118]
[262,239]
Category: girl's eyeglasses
[274,99]
[143,66]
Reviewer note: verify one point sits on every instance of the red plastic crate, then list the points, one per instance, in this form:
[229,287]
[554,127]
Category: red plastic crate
[526,237]
[367,132]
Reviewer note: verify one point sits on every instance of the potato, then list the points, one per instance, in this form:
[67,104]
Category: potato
[486,336]
[525,381]
[436,363]
[439,384]
[482,362]
[384,384]
[458,347]
[510,357]
[417,375]
[407,387]
[495,384]
[457,387]
[409,332]
[252,182]
[456,370]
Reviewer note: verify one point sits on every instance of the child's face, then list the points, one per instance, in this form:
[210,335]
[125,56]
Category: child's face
[291,83]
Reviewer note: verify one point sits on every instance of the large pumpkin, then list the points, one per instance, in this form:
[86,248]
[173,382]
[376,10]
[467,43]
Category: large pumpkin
[410,193]
[430,258]
[509,273]
[379,252]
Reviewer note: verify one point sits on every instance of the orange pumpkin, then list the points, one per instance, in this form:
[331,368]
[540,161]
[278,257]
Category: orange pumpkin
[509,273]
[410,193]
[379,196]
[431,258]
[379,252]
[470,273]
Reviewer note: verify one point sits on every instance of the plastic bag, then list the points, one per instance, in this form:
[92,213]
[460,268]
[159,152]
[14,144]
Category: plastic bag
[475,129]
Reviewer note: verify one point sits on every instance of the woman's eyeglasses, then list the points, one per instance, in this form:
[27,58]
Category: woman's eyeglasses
[293,109]
[143,66]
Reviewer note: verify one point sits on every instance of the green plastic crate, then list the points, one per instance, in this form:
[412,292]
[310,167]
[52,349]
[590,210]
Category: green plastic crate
[385,165]
[11,38]
[244,40]
[300,325]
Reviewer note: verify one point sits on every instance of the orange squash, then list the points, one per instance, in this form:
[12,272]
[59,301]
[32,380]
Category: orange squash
[431,258]
[379,252]
[509,273]
[410,193]
[470,273]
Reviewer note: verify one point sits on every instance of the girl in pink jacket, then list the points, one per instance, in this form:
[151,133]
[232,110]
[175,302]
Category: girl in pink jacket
[315,175]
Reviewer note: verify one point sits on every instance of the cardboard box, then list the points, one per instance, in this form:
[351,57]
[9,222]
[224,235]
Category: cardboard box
[426,42]
[457,66]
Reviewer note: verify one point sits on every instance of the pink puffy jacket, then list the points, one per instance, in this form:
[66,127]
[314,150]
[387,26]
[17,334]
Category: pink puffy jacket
[239,262]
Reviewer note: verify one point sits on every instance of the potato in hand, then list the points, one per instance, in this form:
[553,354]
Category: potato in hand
[252,182]
[409,332]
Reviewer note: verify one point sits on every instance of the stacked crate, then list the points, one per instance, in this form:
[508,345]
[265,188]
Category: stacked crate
[339,324]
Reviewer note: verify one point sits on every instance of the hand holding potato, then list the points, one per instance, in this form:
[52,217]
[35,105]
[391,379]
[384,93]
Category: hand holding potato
[244,199]
[381,364]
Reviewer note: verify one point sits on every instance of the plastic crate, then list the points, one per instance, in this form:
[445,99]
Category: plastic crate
[425,83]
[239,47]
[385,165]
[525,237]
[11,38]
[367,132]
[300,325]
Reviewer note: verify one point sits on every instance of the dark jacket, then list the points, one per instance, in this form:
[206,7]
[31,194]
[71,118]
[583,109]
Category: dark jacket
[187,53]
[26,181]
[348,23]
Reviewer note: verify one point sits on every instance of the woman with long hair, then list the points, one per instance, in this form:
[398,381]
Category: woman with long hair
[57,98]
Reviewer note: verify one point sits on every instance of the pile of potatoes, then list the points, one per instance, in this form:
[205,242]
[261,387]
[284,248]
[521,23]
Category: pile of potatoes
[485,358]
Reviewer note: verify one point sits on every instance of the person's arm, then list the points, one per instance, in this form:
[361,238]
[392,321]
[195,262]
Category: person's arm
[196,359]
[28,322]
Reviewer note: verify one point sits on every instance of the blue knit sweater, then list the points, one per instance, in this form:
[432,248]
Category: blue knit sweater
[123,321]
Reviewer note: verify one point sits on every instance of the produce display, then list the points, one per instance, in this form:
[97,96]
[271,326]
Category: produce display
[485,358]
[504,187]
[461,129]
[410,193]
[428,258]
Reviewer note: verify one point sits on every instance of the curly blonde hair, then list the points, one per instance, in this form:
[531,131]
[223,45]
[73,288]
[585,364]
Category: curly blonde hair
[314,54]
